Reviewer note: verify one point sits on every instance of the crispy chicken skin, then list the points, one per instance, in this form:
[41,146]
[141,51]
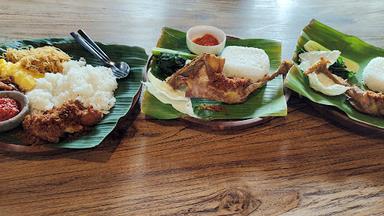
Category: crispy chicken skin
[204,78]
[365,101]
[71,117]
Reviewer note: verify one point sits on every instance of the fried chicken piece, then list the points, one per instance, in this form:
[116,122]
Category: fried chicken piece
[204,78]
[365,101]
[321,67]
[71,117]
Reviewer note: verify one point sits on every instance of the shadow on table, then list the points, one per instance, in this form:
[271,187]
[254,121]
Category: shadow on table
[338,118]
[334,160]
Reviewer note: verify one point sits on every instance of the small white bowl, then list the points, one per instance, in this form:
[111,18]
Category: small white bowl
[201,30]
[16,120]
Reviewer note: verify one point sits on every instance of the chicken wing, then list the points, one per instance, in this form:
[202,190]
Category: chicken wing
[204,78]
[366,101]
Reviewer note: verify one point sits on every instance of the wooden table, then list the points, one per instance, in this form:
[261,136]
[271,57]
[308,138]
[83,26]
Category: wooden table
[298,165]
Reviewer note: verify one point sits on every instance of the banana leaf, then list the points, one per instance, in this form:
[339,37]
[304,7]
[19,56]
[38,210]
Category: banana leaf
[352,48]
[267,101]
[127,87]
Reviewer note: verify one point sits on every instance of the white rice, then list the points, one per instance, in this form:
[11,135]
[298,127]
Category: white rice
[374,74]
[245,62]
[93,86]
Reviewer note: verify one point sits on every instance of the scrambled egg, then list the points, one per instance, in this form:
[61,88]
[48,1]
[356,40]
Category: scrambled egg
[23,78]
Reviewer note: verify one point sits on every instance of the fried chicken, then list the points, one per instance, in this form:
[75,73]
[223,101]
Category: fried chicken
[365,101]
[204,78]
[72,117]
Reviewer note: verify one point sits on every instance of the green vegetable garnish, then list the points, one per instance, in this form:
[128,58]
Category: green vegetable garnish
[340,69]
[165,64]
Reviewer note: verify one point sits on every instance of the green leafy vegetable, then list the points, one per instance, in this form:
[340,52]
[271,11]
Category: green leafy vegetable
[165,64]
[340,69]
[299,51]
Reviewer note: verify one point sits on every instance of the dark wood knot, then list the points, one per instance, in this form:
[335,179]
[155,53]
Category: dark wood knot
[237,202]
[232,201]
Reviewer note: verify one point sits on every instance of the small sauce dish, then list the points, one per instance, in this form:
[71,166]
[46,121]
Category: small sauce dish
[22,100]
[200,31]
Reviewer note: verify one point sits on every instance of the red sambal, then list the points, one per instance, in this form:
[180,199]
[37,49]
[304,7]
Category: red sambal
[206,40]
[9,108]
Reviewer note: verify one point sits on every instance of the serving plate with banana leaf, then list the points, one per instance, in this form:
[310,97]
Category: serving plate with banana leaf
[341,75]
[122,107]
[191,87]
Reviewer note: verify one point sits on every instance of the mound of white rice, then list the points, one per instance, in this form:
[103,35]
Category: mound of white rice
[245,62]
[374,74]
[93,86]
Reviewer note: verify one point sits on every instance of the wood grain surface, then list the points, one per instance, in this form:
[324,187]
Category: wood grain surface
[298,165]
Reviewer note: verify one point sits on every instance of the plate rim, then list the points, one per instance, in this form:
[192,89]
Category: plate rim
[338,117]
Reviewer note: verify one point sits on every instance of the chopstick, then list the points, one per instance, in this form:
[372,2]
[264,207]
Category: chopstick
[91,42]
[90,48]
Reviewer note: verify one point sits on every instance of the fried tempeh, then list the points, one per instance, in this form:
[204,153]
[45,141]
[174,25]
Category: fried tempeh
[72,117]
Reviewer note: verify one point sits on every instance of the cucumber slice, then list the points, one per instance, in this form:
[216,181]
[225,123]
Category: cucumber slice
[314,46]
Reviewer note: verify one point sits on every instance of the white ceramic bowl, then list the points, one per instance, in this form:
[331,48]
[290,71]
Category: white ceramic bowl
[201,30]
[16,120]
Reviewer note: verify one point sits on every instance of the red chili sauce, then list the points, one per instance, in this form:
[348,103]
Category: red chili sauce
[206,40]
[9,108]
